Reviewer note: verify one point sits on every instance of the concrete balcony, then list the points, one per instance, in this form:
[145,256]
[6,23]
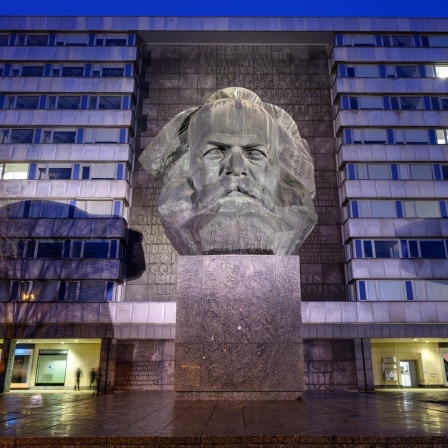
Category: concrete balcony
[52,269]
[61,189]
[96,86]
[86,152]
[410,55]
[78,118]
[385,189]
[68,54]
[396,269]
[392,153]
[390,118]
[382,86]
[394,228]
[63,228]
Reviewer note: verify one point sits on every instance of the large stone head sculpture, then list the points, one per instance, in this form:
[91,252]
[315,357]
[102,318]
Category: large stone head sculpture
[236,177]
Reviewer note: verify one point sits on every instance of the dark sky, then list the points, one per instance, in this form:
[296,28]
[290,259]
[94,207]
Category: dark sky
[274,8]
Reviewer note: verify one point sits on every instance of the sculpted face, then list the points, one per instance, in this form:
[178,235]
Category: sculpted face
[236,177]
[234,157]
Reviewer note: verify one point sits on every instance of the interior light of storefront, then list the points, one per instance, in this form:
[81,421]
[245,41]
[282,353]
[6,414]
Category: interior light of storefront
[415,339]
[427,342]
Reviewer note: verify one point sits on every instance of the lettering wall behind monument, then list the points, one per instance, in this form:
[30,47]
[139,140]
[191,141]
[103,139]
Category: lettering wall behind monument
[294,77]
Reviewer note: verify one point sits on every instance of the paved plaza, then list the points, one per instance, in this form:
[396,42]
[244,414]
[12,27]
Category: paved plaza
[322,419]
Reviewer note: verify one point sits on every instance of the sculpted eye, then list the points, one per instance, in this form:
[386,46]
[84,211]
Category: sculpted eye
[214,152]
[255,153]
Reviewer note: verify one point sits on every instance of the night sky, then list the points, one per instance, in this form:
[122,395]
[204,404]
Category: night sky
[252,8]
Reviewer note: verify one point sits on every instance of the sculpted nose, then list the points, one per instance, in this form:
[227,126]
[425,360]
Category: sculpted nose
[235,165]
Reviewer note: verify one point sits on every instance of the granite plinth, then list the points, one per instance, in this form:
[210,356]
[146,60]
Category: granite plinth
[239,332]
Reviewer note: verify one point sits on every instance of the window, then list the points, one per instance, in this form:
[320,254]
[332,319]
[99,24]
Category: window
[441,71]
[441,136]
[109,102]
[59,136]
[406,71]
[64,102]
[92,291]
[73,39]
[31,70]
[369,136]
[398,41]
[72,71]
[111,40]
[102,135]
[54,171]
[96,249]
[37,40]
[407,103]
[10,171]
[363,40]
[21,136]
[112,71]
[94,208]
[363,71]
[427,209]
[4,39]
[382,209]
[49,250]
[438,41]
[432,249]
[26,102]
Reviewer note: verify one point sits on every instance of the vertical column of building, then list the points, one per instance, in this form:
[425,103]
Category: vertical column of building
[66,155]
[391,120]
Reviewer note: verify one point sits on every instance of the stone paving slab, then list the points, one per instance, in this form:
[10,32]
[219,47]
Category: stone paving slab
[155,419]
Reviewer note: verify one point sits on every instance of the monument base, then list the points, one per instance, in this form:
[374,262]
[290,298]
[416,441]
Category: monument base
[239,331]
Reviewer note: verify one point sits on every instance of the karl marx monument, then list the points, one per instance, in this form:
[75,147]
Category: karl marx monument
[236,200]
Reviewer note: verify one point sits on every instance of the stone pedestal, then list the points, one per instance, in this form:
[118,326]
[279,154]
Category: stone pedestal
[239,331]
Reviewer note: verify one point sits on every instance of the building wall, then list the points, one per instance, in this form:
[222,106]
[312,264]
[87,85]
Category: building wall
[294,77]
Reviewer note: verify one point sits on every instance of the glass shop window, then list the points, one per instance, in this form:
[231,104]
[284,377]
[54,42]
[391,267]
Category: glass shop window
[13,171]
[112,71]
[432,249]
[21,136]
[26,102]
[32,70]
[35,40]
[49,249]
[73,71]
[92,291]
[386,249]
[51,368]
[4,39]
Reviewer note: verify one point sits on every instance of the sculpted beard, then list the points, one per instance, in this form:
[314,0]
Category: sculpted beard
[229,192]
